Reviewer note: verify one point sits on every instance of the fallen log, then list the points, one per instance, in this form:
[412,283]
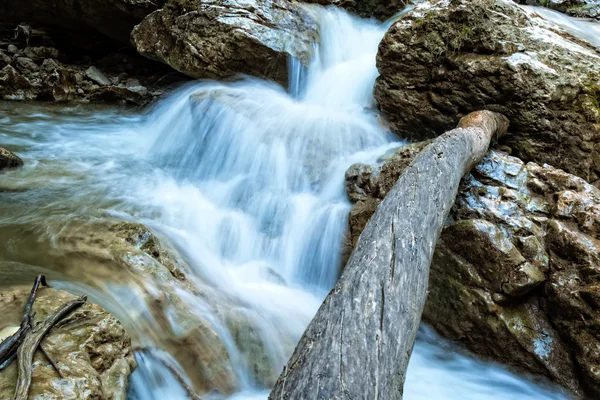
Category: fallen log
[359,343]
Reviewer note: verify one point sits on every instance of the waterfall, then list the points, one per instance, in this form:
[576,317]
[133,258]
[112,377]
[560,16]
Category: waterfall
[246,179]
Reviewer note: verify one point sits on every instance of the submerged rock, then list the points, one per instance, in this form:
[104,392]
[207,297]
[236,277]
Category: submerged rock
[90,347]
[9,160]
[446,59]
[217,39]
[515,273]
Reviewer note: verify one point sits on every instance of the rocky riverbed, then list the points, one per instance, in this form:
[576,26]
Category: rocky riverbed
[212,224]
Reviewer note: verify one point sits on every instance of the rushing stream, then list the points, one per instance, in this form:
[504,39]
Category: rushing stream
[246,181]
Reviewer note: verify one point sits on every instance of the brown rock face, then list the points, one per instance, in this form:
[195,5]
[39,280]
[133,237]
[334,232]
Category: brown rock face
[113,18]
[515,273]
[90,348]
[446,59]
[217,39]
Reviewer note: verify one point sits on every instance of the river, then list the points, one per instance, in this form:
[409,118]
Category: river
[247,180]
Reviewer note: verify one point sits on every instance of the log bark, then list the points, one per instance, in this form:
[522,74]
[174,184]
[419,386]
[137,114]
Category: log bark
[359,343]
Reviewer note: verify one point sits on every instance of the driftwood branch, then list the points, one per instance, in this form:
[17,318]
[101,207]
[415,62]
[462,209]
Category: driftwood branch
[51,361]
[359,343]
[9,346]
[31,342]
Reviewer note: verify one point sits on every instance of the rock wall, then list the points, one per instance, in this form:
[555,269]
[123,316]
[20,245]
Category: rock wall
[515,274]
[448,58]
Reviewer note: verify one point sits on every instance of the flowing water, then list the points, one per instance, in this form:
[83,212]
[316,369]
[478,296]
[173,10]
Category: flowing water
[247,182]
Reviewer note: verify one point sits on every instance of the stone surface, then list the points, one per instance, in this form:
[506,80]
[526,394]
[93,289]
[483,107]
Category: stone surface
[380,9]
[575,8]
[221,38]
[89,346]
[113,18]
[9,160]
[445,59]
[97,76]
[515,273]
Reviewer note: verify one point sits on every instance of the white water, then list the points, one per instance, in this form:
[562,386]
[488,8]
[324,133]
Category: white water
[248,181]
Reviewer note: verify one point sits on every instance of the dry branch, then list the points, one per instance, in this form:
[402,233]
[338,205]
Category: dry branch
[31,342]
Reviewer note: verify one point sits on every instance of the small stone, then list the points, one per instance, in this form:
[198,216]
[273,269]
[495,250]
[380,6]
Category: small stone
[9,160]
[4,59]
[132,82]
[26,65]
[94,74]
[12,49]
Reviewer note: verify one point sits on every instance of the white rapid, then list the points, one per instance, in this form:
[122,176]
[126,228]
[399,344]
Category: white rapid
[246,180]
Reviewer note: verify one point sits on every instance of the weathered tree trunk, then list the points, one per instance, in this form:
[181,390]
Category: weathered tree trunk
[359,343]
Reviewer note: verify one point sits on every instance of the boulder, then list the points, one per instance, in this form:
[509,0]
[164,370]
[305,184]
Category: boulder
[9,160]
[515,274]
[575,8]
[220,38]
[113,18]
[89,346]
[445,59]
[13,86]
[97,76]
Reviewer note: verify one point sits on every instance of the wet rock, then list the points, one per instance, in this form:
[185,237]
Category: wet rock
[13,86]
[89,346]
[9,160]
[95,75]
[442,61]
[515,274]
[113,18]
[380,9]
[575,8]
[116,94]
[38,54]
[217,39]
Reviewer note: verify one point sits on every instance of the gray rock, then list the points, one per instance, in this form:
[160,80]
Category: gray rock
[5,59]
[12,49]
[40,53]
[95,75]
[575,8]
[442,61]
[9,160]
[221,38]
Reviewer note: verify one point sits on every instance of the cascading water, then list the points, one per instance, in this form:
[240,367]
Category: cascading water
[246,180]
